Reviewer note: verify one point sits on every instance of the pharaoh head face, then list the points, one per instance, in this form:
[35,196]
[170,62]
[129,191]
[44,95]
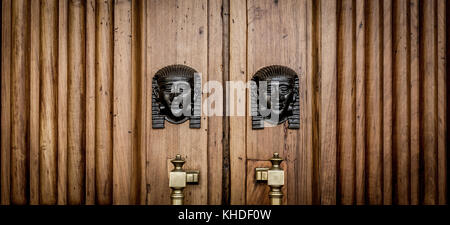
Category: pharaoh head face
[175,92]
[276,93]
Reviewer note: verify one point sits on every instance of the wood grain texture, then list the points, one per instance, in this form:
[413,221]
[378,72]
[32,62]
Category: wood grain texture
[429,106]
[76,100]
[390,61]
[62,97]
[360,103]
[401,103]
[182,39]
[48,103]
[314,72]
[306,148]
[374,104]
[442,117]
[387,101]
[328,104]
[76,103]
[90,102]
[415,103]
[34,102]
[103,108]
[139,71]
[238,72]
[216,71]
[273,48]
[122,116]
[6,104]
[346,104]
[19,101]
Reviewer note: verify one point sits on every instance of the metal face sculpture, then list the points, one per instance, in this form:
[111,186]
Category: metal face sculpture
[275,97]
[176,96]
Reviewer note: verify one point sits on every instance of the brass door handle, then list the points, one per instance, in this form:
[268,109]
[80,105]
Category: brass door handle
[274,177]
[179,178]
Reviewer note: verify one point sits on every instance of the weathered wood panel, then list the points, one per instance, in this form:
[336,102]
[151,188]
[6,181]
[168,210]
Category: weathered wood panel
[360,114]
[19,100]
[346,104]
[62,96]
[34,103]
[374,99]
[48,100]
[90,102]
[76,104]
[76,100]
[6,104]
[177,34]
[104,109]
[238,72]
[122,104]
[217,72]
[59,72]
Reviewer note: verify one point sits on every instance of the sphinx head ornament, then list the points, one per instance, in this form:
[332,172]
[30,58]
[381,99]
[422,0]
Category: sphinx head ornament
[275,97]
[176,96]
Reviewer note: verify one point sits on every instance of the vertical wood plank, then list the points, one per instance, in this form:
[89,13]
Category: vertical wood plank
[441,101]
[34,102]
[328,98]
[238,72]
[346,103]
[19,101]
[76,103]
[305,152]
[429,110]
[181,40]
[401,126]
[374,107]
[122,125]
[61,140]
[159,140]
[447,133]
[138,182]
[387,102]
[360,103]
[148,105]
[226,187]
[158,153]
[192,50]
[273,31]
[135,62]
[48,98]
[103,98]
[215,122]
[90,102]
[143,101]
[415,101]
[314,63]
[6,103]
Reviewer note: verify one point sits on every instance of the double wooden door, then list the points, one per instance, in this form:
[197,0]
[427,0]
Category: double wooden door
[77,100]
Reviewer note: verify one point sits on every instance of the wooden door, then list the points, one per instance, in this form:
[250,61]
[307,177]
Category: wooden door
[372,100]
[179,32]
[76,100]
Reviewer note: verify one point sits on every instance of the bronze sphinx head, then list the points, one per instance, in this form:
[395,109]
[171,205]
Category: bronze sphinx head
[275,97]
[176,96]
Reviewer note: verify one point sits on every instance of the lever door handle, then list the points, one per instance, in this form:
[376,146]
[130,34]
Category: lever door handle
[274,177]
[179,178]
